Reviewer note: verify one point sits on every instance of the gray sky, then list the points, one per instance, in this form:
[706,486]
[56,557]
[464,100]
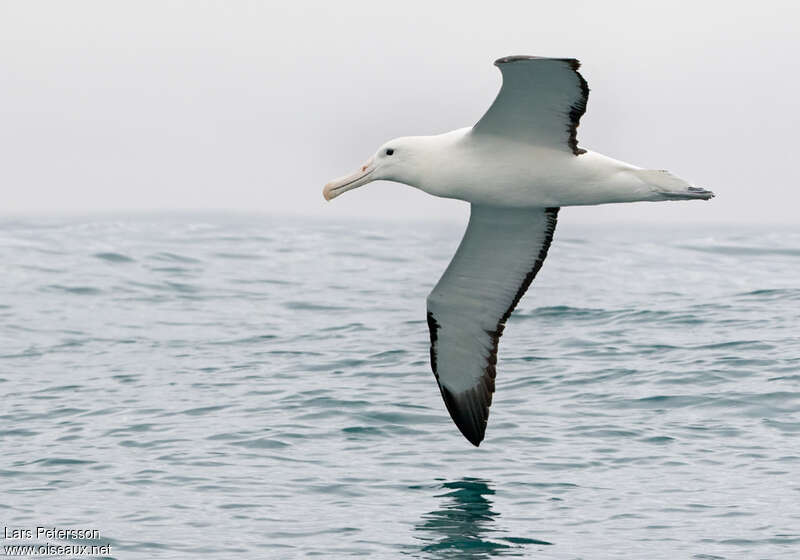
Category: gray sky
[255,105]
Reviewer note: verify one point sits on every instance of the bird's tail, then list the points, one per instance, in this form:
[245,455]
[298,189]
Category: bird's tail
[669,187]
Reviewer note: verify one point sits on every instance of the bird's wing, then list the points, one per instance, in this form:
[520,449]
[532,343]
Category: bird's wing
[540,102]
[499,256]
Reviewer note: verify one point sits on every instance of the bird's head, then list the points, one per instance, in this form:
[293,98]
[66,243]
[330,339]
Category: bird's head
[397,160]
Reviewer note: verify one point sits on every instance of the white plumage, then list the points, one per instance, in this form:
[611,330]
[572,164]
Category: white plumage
[517,166]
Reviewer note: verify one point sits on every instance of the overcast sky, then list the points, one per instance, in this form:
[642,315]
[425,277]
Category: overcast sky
[253,106]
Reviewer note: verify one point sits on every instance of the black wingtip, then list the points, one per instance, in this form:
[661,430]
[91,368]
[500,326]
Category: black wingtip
[463,409]
[574,63]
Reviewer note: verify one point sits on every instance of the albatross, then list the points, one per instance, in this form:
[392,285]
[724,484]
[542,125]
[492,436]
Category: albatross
[516,167]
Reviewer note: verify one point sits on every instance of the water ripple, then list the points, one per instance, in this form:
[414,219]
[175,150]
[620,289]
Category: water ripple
[218,387]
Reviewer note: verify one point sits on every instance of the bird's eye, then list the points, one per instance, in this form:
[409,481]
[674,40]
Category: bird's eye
[389,152]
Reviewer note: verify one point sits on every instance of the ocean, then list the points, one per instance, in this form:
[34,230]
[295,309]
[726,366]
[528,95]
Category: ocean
[225,386]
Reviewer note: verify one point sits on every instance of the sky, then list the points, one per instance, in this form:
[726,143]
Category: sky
[253,106]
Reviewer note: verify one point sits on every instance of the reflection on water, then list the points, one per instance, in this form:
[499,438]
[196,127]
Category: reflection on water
[171,361]
[464,523]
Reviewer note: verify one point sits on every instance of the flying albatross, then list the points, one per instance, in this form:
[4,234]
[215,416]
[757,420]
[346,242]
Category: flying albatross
[516,167]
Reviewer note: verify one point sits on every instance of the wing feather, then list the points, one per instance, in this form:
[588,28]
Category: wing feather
[498,258]
[540,102]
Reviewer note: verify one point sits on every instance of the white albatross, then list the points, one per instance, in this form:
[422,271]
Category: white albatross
[516,167]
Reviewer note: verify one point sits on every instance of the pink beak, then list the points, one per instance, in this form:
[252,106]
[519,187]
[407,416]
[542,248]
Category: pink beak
[355,180]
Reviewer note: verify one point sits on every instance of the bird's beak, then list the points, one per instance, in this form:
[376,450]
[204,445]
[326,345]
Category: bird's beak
[357,179]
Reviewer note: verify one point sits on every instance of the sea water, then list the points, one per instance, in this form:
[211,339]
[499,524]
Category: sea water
[259,387]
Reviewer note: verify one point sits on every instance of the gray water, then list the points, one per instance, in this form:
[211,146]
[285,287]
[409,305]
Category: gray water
[223,387]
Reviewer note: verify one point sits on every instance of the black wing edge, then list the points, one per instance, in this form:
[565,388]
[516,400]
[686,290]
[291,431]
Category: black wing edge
[577,109]
[470,409]
[573,62]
